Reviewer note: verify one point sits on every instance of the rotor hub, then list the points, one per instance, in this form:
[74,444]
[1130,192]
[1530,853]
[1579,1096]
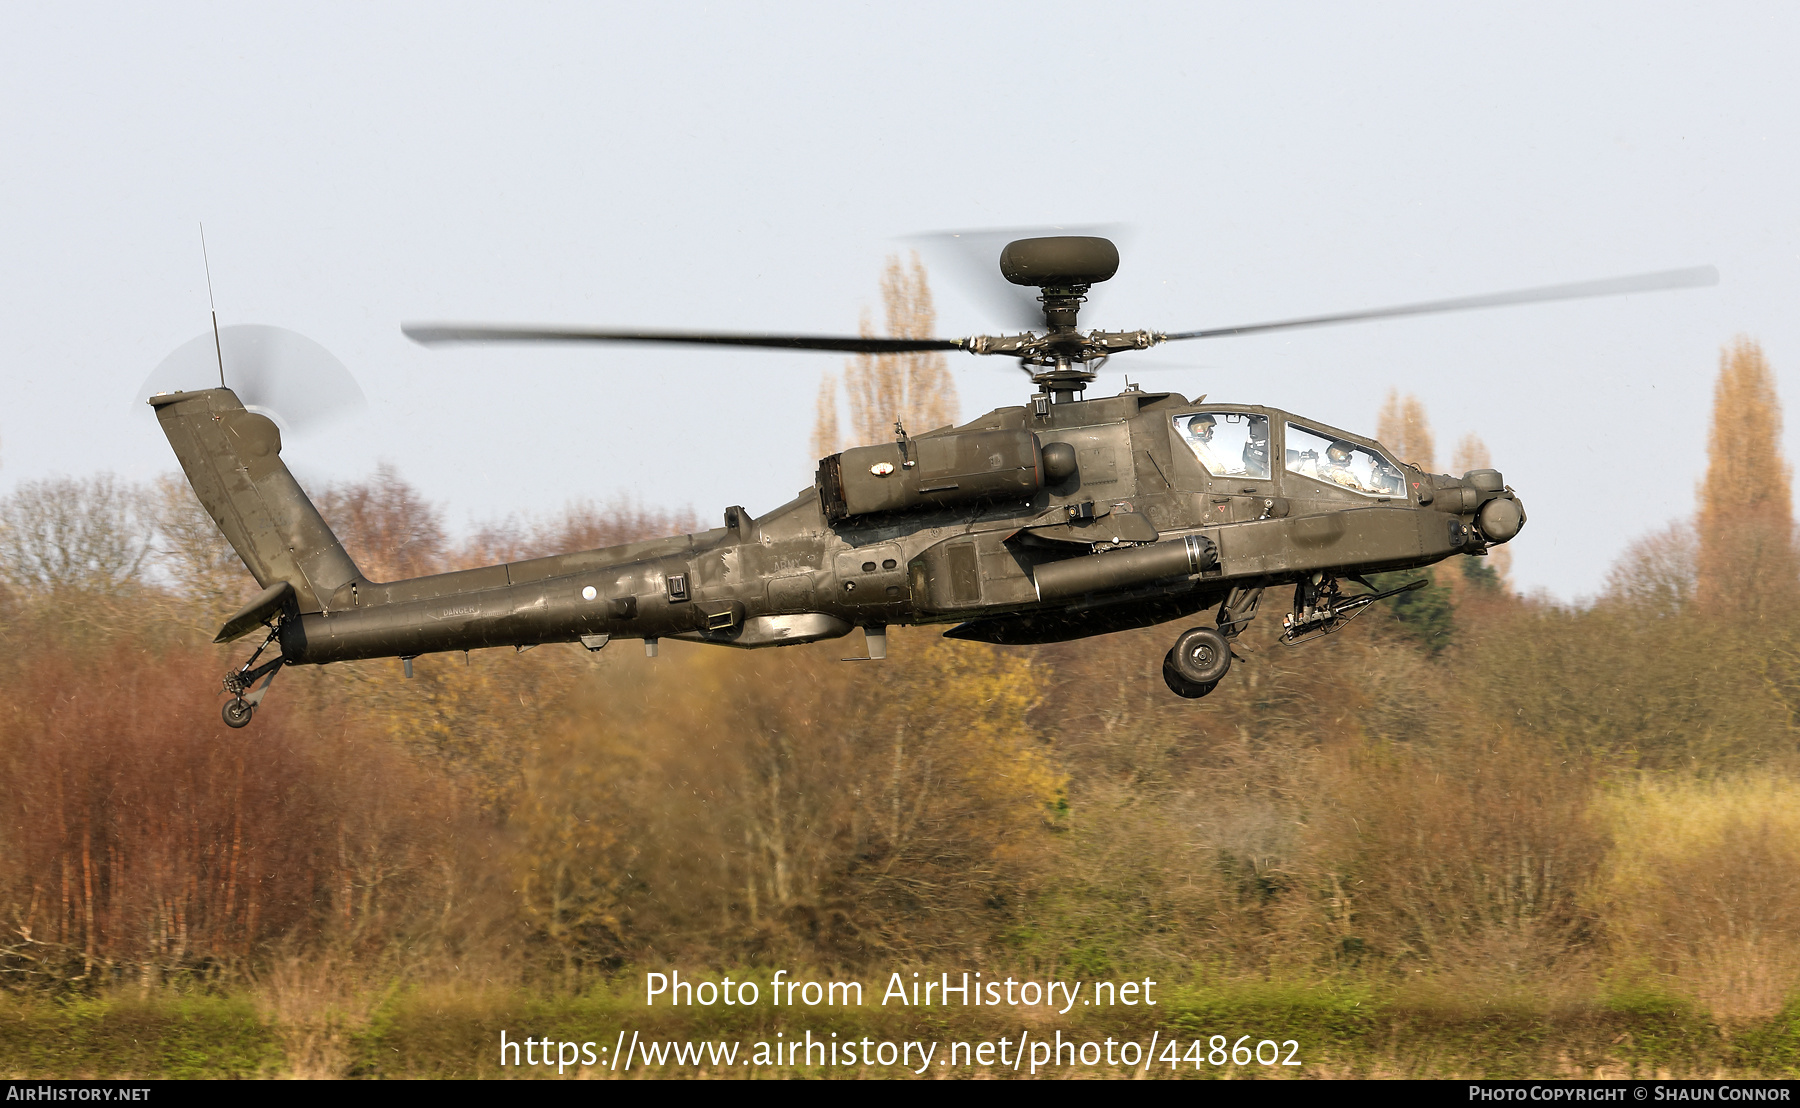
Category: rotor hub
[1062,304]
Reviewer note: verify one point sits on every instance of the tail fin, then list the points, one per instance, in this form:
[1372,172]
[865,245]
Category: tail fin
[232,457]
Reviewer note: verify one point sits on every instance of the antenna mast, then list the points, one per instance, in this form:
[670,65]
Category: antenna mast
[218,348]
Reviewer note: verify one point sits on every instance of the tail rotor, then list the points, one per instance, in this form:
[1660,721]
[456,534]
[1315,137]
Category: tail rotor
[274,371]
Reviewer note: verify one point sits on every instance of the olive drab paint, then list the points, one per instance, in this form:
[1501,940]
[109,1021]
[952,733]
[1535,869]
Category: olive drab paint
[968,526]
[1058,519]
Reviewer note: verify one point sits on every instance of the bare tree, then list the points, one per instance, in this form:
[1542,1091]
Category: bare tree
[582,525]
[191,549]
[389,529]
[64,533]
[1655,576]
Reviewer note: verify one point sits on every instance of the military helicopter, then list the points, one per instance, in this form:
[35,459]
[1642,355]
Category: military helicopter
[1057,519]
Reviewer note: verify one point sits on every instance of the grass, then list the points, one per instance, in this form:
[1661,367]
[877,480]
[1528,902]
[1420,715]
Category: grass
[1342,1031]
[175,1037]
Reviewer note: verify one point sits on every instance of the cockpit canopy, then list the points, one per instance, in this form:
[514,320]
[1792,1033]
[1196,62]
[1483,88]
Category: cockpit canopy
[1341,462]
[1232,444]
[1237,444]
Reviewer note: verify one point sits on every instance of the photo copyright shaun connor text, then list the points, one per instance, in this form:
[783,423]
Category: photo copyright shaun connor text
[1652,1092]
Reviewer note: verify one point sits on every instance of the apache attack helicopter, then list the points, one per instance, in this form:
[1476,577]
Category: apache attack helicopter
[1060,518]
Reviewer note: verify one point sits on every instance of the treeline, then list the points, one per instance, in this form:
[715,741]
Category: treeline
[1477,792]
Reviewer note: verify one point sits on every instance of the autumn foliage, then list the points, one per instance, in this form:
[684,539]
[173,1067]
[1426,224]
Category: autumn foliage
[1746,558]
[1403,428]
[1530,795]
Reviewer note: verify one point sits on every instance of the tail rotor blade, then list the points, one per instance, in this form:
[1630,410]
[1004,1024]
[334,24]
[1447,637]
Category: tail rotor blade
[277,372]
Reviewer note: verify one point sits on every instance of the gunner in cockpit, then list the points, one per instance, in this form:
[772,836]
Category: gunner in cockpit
[1335,466]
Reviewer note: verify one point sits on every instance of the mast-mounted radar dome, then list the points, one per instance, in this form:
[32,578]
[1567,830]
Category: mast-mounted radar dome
[1060,261]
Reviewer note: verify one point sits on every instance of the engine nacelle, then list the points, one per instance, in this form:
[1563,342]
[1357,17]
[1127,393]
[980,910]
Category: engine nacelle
[920,474]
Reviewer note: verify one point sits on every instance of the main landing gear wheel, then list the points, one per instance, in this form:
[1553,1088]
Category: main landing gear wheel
[1180,685]
[1201,656]
[236,713]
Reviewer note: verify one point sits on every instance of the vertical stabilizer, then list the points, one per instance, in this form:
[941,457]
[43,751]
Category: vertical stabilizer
[232,458]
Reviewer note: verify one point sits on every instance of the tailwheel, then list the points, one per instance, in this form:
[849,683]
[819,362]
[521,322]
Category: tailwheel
[238,711]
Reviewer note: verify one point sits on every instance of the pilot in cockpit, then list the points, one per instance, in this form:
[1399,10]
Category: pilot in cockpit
[1200,436]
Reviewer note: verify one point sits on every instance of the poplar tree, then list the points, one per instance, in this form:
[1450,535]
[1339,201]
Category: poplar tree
[825,417]
[1403,428]
[880,389]
[1746,560]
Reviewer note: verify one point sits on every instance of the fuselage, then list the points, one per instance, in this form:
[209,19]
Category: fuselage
[1269,513]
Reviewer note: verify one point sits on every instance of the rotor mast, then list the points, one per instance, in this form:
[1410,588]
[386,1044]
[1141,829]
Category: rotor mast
[1062,268]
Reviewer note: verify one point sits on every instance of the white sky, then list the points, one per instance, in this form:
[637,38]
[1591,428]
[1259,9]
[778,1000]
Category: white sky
[747,167]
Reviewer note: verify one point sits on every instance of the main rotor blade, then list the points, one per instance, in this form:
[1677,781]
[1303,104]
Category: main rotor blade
[435,334]
[1696,277]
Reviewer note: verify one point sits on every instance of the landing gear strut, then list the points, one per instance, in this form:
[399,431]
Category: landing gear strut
[238,711]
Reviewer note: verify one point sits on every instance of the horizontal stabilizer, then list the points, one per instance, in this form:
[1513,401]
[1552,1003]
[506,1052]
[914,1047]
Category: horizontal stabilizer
[267,604]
